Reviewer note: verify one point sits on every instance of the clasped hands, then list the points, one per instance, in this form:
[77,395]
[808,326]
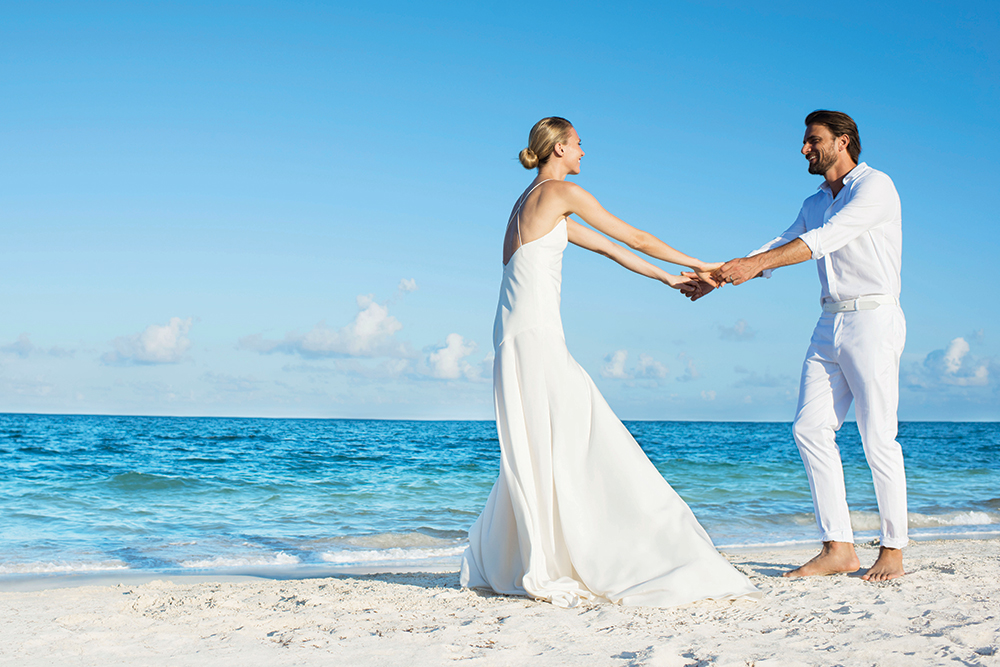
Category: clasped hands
[736,271]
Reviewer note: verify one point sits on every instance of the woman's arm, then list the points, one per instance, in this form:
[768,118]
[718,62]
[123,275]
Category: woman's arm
[587,207]
[591,240]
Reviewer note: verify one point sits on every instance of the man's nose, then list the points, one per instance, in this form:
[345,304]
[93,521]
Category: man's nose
[805,149]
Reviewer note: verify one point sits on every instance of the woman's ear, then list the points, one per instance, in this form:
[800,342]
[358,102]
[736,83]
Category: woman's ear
[558,150]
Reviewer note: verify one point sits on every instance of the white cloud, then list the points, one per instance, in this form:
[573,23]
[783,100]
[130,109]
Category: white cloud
[690,372]
[708,395]
[394,367]
[952,366]
[951,360]
[615,366]
[739,331]
[648,368]
[371,334]
[158,344]
[23,347]
[484,369]
[448,362]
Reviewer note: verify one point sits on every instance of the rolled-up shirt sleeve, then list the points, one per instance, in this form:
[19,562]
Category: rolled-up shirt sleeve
[797,229]
[873,203]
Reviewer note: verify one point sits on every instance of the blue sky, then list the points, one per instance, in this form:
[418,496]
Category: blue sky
[296,209]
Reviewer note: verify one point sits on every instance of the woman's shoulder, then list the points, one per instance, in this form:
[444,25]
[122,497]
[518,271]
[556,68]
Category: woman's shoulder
[556,184]
[563,189]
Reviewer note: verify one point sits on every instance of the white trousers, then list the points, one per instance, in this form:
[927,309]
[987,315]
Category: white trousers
[853,356]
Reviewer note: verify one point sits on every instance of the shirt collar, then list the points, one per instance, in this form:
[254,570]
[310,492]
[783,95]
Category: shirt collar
[850,176]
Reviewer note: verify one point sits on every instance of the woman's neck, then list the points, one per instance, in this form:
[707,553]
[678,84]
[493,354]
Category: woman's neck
[553,172]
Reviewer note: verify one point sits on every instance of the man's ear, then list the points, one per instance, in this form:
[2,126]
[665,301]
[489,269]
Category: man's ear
[843,141]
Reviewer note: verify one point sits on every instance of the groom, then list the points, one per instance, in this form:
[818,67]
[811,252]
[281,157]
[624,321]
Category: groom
[852,228]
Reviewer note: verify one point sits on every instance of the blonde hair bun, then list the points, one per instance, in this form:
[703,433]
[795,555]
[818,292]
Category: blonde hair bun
[528,158]
[543,139]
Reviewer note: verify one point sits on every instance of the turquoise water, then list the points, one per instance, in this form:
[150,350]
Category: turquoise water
[94,493]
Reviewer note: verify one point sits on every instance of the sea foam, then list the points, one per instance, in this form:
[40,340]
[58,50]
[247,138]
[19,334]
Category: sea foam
[59,567]
[386,555]
[279,558]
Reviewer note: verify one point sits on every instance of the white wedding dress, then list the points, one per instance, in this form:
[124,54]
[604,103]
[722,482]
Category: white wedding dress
[578,511]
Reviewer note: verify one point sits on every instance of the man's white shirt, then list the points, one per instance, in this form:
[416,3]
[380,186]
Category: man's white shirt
[856,237]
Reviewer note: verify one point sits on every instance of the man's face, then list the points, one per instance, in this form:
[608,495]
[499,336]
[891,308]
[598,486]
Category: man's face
[820,148]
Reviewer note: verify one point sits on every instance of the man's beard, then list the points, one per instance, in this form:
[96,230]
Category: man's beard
[824,162]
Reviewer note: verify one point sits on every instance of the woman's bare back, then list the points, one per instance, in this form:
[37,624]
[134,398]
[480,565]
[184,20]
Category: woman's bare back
[532,217]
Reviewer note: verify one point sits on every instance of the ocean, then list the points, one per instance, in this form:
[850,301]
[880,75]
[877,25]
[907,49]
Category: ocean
[82,494]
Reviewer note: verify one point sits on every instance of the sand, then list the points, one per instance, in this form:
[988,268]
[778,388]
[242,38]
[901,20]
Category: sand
[946,611]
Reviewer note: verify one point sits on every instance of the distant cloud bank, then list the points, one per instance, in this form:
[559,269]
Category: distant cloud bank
[23,348]
[157,344]
[647,368]
[371,334]
[448,362]
[952,366]
[740,331]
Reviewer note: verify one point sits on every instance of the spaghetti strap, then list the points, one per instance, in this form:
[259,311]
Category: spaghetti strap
[517,210]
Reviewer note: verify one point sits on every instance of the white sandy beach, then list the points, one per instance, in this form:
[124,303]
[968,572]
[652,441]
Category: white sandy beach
[946,611]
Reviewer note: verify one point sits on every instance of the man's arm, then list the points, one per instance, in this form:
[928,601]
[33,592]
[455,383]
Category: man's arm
[738,271]
[874,202]
[787,237]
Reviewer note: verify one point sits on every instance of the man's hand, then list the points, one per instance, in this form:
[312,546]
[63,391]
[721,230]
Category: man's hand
[737,271]
[699,286]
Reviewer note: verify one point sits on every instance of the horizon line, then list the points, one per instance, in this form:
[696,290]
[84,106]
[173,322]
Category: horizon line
[429,419]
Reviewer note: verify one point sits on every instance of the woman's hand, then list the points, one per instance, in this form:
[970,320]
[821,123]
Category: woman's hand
[704,271]
[687,286]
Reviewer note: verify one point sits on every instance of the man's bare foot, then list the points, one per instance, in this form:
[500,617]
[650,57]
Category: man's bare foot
[889,565]
[836,557]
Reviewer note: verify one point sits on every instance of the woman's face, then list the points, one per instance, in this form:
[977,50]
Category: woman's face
[572,151]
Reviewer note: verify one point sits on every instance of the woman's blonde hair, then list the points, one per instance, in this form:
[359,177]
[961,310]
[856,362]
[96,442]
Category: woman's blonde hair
[543,139]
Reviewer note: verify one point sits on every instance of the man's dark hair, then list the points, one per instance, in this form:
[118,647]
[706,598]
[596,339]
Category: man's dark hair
[839,124]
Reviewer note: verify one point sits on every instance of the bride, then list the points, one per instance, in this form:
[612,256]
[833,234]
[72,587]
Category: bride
[578,511]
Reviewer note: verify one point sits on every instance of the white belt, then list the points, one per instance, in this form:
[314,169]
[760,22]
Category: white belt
[867,302]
